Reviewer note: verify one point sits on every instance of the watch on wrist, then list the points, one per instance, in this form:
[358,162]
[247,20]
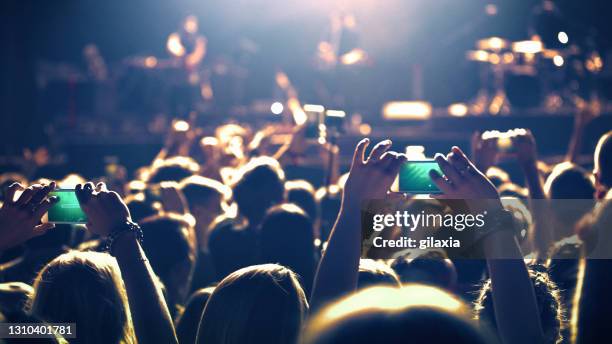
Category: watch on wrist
[125,228]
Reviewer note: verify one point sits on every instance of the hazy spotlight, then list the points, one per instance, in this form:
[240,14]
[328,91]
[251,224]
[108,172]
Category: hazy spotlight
[277,108]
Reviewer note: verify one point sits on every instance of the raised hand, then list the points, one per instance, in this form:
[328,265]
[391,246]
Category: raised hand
[525,145]
[105,209]
[371,178]
[462,180]
[20,219]
[484,151]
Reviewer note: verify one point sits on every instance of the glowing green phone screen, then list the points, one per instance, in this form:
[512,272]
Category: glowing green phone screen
[414,177]
[67,209]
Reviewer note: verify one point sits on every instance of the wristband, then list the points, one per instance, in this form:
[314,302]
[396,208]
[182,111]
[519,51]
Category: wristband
[127,227]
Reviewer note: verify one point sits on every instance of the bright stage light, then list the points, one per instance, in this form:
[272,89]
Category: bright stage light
[174,45]
[313,108]
[527,47]
[563,37]
[150,62]
[277,108]
[181,125]
[458,109]
[558,60]
[336,113]
[407,110]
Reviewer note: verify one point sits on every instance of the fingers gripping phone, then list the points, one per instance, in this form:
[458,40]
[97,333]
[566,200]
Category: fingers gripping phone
[67,209]
[414,177]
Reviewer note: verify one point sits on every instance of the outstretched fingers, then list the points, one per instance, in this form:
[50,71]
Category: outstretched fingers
[379,150]
[9,196]
[359,155]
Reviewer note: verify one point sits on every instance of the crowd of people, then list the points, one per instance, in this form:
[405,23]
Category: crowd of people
[212,244]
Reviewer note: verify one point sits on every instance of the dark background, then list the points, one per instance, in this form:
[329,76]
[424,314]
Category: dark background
[397,34]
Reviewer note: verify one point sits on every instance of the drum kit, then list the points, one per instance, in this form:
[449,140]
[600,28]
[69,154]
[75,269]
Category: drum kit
[548,73]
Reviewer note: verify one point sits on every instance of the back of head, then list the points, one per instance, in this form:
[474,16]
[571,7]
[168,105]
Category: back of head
[286,238]
[569,181]
[139,207]
[201,191]
[257,304]
[84,288]
[372,272]
[549,303]
[174,169]
[603,163]
[259,185]
[187,324]
[14,297]
[431,268]
[302,193]
[329,200]
[170,252]
[413,313]
[231,247]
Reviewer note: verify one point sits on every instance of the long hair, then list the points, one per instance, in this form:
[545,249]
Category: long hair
[256,304]
[85,288]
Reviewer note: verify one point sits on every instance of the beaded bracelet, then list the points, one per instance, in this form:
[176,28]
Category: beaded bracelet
[127,227]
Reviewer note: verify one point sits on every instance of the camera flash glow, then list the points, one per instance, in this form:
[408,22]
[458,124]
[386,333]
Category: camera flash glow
[563,37]
[558,60]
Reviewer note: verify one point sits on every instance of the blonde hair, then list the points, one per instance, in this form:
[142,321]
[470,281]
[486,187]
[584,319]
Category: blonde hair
[85,288]
[257,304]
[413,311]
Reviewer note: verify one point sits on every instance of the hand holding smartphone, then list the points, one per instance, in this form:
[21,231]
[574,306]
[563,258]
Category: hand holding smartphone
[67,210]
[414,177]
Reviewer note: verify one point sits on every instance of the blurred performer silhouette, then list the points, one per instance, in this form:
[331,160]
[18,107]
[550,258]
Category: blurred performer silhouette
[188,47]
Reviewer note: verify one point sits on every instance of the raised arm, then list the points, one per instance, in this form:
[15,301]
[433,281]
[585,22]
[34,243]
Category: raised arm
[109,216]
[369,178]
[542,235]
[516,309]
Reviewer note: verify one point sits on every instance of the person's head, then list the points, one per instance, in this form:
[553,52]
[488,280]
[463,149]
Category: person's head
[411,314]
[84,288]
[372,273]
[171,254]
[547,296]
[187,323]
[302,193]
[174,169]
[286,238]
[497,176]
[139,206]
[569,181]
[14,297]
[231,247]
[257,304]
[258,186]
[431,268]
[205,198]
[603,165]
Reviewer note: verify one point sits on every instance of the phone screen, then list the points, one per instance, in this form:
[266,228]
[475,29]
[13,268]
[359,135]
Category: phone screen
[414,177]
[67,209]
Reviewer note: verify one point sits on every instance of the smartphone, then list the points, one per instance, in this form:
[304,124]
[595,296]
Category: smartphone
[67,209]
[414,177]
[314,121]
